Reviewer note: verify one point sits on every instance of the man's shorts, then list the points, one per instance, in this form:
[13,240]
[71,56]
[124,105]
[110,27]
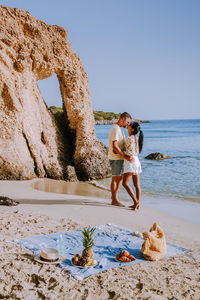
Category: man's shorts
[117,167]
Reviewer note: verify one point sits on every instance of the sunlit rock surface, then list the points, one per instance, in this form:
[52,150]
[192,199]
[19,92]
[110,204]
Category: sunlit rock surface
[31,142]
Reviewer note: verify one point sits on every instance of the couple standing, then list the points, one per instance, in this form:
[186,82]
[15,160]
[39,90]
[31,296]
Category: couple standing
[123,156]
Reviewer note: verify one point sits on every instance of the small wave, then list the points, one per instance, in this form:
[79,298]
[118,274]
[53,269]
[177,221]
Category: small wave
[172,196]
[187,157]
[183,156]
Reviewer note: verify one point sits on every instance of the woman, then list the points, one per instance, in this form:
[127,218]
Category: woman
[132,169]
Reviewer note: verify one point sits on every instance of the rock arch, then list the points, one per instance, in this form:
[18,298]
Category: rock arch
[31,143]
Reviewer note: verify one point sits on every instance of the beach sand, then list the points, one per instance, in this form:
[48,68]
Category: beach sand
[42,212]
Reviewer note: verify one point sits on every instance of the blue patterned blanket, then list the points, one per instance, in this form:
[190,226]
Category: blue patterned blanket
[109,241]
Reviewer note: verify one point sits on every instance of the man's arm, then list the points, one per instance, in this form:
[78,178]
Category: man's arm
[117,150]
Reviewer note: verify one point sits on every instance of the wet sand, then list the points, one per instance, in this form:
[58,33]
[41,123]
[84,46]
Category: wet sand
[45,212]
[72,188]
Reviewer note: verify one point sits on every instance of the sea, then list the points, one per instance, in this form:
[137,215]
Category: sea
[172,185]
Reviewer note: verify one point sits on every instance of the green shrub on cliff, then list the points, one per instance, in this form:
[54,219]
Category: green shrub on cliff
[101,115]
[98,114]
[55,109]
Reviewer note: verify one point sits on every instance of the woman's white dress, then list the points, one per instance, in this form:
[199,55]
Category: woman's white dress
[132,149]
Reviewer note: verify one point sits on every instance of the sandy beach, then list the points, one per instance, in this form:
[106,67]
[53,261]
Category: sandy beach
[42,212]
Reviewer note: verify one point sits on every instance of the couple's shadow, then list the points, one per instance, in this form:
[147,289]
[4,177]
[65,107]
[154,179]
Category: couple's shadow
[74,201]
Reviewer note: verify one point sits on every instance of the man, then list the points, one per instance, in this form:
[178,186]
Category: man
[116,154]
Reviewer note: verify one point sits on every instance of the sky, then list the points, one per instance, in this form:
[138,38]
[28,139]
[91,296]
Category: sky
[141,56]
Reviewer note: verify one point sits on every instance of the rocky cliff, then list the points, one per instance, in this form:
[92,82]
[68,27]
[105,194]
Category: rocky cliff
[32,144]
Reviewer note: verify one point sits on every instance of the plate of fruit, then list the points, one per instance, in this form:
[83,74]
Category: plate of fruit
[86,260]
[124,256]
[83,261]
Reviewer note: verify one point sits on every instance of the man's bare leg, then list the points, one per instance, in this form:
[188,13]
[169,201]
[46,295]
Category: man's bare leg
[115,185]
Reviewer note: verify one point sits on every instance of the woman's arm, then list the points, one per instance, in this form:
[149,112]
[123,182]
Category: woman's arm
[117,150]
[129,147]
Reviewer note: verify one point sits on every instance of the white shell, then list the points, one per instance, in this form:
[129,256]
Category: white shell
[137,233]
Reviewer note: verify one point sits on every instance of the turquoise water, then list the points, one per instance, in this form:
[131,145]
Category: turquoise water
[176,178]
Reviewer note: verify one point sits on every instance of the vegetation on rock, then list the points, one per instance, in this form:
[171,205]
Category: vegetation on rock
[101,115]
[98,114]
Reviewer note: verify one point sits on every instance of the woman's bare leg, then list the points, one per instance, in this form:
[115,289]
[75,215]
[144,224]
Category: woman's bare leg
[126,179]
[136,183]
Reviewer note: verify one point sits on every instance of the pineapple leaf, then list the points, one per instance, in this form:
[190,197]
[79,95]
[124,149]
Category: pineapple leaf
[88,237]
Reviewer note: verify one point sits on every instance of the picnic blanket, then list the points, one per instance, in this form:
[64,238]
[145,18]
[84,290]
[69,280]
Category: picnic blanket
[109,241]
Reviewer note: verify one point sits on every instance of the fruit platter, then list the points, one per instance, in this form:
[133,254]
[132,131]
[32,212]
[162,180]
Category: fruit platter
[124,256]
[83,261]
[87,258]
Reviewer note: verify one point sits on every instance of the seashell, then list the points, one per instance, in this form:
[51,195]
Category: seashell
[137,233]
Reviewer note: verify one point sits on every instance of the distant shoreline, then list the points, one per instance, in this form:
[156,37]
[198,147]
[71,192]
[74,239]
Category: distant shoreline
[113,121]
[100,117]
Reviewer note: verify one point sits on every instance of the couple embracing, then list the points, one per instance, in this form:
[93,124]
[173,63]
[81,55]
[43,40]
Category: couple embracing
[123,156]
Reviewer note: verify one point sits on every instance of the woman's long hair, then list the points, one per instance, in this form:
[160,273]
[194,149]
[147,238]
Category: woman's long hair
[136,128]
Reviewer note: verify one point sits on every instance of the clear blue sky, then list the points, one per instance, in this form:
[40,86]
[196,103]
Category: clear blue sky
[140,56]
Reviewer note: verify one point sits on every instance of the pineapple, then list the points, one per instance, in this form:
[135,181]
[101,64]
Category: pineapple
[88,243]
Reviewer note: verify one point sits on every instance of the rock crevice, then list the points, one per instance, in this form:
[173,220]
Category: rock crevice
[31,154]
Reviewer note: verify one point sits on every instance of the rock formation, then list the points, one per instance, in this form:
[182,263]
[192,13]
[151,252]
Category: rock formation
[31,142]
[7,201]
[157,156]
[154,246]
